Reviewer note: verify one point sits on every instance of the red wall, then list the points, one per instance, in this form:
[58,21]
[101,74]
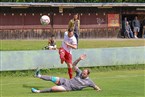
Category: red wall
[58,20]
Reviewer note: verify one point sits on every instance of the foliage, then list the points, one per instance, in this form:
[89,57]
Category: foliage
[75,1]
[57,71]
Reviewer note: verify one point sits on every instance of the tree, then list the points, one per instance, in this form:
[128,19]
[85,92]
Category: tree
[20,0]
[82,1]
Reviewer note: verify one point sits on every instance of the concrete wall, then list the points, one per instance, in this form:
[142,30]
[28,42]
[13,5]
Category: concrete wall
[25,60]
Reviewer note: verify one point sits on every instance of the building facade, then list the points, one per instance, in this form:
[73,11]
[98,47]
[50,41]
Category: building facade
[98,20]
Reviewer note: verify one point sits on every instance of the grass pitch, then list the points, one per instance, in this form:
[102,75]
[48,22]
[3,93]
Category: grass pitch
[7,45]
[120,83]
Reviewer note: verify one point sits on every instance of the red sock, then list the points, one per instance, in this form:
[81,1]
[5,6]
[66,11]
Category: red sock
[70,72]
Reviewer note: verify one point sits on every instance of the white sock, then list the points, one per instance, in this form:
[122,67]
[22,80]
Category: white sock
[39,75]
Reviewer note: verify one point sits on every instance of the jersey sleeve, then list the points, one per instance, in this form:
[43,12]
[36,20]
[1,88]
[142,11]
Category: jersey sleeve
[74,41]
[92,84]
[78,72]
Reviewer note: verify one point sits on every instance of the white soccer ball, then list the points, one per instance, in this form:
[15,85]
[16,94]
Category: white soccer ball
[45,20]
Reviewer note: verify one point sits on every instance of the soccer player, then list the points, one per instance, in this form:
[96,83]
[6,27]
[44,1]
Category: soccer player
[65,53]
[80,81]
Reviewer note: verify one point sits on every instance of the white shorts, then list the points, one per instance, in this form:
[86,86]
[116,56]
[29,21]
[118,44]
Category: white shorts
[136,29]
[52,47]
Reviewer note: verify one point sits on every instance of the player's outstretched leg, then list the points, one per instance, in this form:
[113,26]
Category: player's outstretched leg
[47,90]
[62,54]
[37,73]
[70,70]
[53,79]
[33,90]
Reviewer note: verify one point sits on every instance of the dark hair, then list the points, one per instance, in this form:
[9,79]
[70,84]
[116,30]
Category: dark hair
[52,35]
[76,14]
[88,71]
[70,29]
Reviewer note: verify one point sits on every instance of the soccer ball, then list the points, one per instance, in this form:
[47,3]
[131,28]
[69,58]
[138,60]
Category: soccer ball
[45,20]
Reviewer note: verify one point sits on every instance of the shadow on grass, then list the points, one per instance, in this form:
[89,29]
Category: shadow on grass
[32,86]
[38,87]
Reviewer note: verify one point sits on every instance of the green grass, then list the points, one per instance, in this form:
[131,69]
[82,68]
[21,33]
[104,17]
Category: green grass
[7,45]
[121,83]
[24,73]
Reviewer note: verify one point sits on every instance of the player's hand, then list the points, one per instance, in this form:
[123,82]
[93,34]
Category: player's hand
[66,43]
[83,56]
[98,90]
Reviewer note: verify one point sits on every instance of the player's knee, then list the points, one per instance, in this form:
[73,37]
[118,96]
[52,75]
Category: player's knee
[54,79]
[58,88]
[69,65]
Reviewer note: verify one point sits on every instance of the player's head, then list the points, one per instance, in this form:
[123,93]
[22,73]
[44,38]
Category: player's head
[76,16]
[70,32]
[52,37]
[85,73]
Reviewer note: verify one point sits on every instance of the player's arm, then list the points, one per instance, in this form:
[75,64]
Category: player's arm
[49,41]
[94,86]
[79,24]
[82,57]
[74,46]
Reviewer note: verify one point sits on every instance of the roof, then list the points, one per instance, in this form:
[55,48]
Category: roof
[67,5]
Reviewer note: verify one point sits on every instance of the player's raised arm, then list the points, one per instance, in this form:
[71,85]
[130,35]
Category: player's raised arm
[82,57]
